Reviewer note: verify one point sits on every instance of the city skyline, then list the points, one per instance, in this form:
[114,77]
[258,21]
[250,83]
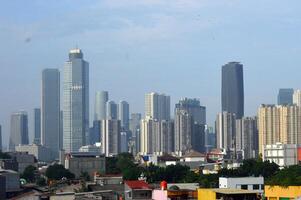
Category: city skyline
[107,59]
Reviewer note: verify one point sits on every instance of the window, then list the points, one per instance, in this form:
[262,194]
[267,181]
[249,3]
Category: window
[256,187]
[244,187]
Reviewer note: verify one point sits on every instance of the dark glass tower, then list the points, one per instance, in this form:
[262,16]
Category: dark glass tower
[285,96]
[233,89]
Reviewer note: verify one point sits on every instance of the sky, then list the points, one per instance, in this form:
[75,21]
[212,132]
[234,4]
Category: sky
[176,47]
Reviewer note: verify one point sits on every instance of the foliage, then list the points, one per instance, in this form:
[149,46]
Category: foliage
[85,176]
[41,181]
[4,155]
[57,172]
[290,176]
[29,174]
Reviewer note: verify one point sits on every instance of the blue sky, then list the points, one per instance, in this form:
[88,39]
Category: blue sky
[175,47]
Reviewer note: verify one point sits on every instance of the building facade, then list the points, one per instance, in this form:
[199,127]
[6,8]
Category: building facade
[76,101]
[135,131]
[18,130]
[110,139]
[233,89]
[226,130]
[124,115]
[285,96]
[50,110]
[157,106]
[37,126]
[297,98]
[112,110]
[42,153]
[101,99]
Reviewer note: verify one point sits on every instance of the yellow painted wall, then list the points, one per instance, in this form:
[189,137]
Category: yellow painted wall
[277,191]
[206,194]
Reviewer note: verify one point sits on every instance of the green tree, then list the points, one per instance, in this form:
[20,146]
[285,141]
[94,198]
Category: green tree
[57,172]
[290,176]
[29,174]
[4,155]
[41,181]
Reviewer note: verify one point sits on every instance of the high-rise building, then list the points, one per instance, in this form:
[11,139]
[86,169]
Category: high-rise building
[285,96]
[50,110]
[225,131]
[233,89]
[124,115]
[110,139]
[279,124]
[157,106]
[112,110]
[95,132]
[101,99]
[210,138]
[189,131]
[135,131]
[146,136]
[247,137]
[297,97]
[18,130]
[37,126]
[76,101]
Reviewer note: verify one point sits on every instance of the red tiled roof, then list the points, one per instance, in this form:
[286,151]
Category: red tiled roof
[137,184]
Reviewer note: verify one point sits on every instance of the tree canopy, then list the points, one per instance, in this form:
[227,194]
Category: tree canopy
[57,172]
[290,176]
[29,174]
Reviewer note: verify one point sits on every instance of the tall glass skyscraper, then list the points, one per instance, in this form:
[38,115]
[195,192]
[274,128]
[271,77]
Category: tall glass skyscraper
[124,115]
[37,126]
[101,98]
[233,89]
[76,101]
[285,96]
[112,110]
[50,110]
[18,129]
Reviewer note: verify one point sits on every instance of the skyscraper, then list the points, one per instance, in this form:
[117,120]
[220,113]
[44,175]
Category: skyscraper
[279,124]
[135,131]
[76,101]
[157,106]
[233,89]
[190,119]
[285,96]
[50,110]
[37,126]
[110,138]
[124,115]
[101,99]
[297,97]
[225,131]
[1,147]
[112,110]
[247,137]
[18,129]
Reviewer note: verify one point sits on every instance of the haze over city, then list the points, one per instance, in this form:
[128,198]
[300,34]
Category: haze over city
[135,47]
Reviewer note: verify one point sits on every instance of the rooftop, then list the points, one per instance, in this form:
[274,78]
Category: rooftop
[232,191]
[194,154]
[137,184]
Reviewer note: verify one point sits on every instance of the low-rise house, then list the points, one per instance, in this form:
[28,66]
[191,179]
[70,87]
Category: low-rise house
[194,156]
[245,183]
[233,194]
[280,192]
[12,180]
[137,190]
[80,162]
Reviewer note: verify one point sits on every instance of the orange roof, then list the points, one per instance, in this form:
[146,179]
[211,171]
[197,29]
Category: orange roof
[137,184]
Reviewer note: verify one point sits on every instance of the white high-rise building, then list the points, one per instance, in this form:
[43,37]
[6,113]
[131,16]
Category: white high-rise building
[157,106]
[110,140]
[297,97]
[76,101]
[50,110]
[225,130]
[101,98]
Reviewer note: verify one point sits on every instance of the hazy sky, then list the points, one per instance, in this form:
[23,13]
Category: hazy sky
[175,47]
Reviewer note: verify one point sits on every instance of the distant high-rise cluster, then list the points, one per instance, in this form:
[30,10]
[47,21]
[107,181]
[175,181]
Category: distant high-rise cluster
[18,130]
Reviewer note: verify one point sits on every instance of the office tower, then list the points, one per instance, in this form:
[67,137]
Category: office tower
[112,110]
[157,106]
[210,138]
[146,136]
[225,130]
[110,139]
[18,129]
[135,131]
[76,101]
[1,147]
[247,137]
[101,99]
[61,131]
[50,110]
[233,89]
[124,115]
[123,142]
[279,124]
[297,97]
[189,131]
[37,126]
[163,135]
[285,96]
[95,132]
